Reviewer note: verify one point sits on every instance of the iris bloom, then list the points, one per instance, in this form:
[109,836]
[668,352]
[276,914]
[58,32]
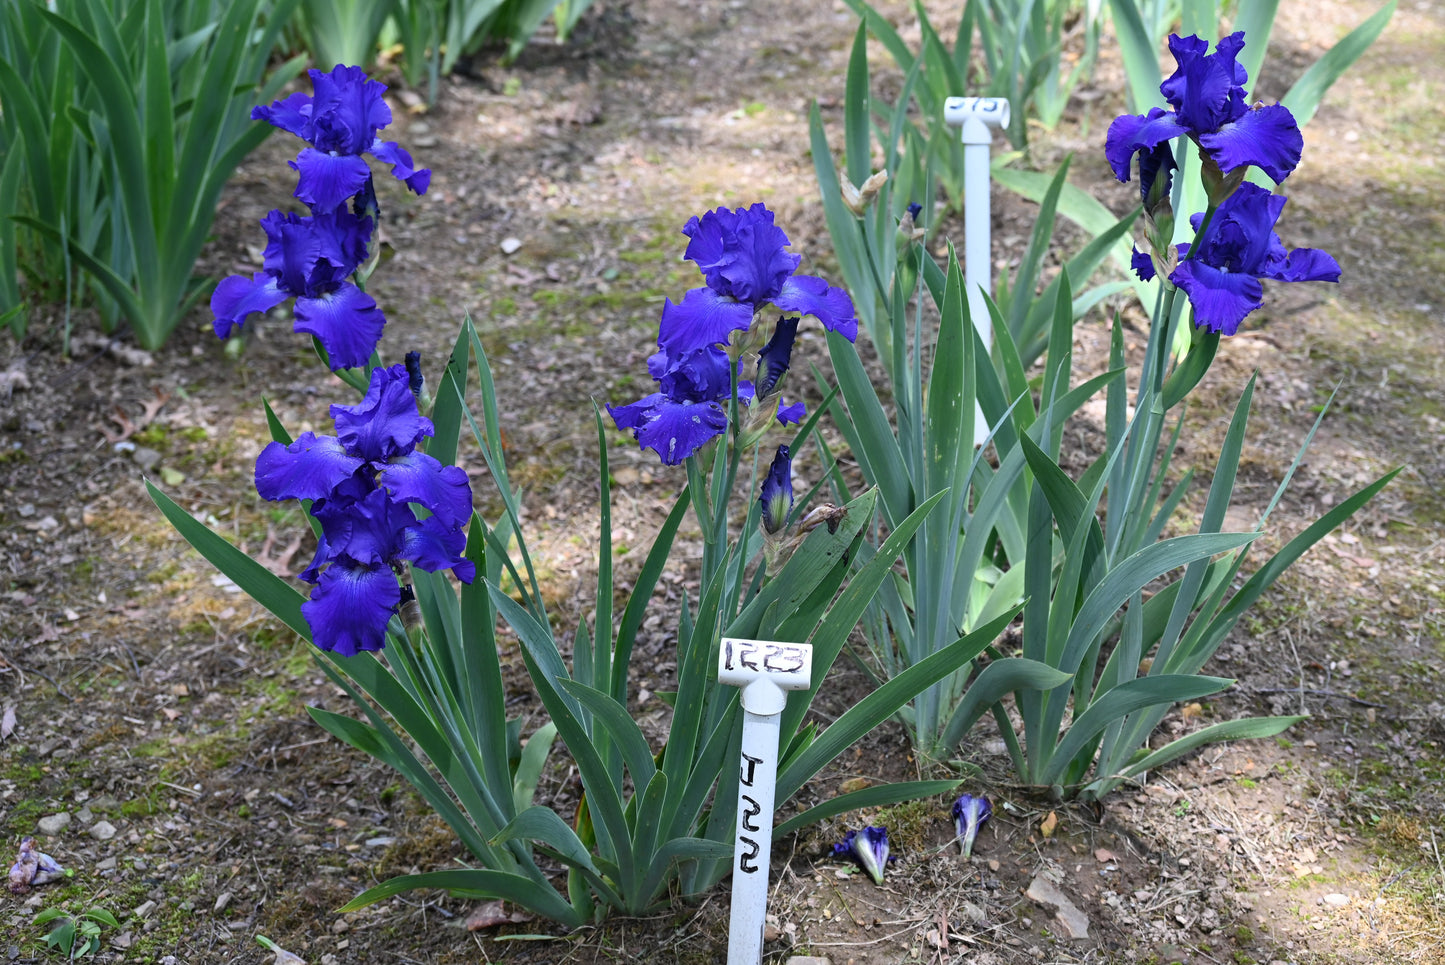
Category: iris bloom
[310,259]
[1239,246]
[969,814]
[869,848]
[689,410]
[742,258]
[364,483]
[777,492]
[340,121]
[1210,107]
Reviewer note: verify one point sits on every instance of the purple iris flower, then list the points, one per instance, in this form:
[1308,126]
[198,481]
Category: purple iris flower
[969,814]
[742,256]
[776,497]
[340,121]
[691,408]
[1207,94]
[869,848]
[364,483]
[1239,246]
[309,259]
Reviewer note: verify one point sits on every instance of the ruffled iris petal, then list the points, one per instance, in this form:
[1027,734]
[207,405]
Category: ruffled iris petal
[1266,137]
[1206,90]
[349,609]
[310,468]
[832,307]
[636,414]
[292,115]
[1220,298]
[237,298]
[385,423]
[675,430]
[433,547]
[347,322]
[349,109]
[369,530]
[741,253]
[389,152]
[1130,134]
[419,478]
[703,318]
[790,415]
[327,181]
[700,376]
[1305,264]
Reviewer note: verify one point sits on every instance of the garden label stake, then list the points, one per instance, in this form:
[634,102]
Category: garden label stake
[765,671]
[977,116]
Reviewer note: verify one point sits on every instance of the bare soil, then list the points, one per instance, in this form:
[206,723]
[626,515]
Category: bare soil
[162,713]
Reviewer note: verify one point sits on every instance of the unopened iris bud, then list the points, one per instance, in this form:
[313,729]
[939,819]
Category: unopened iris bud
[857,199]
[775,357]
[777,493]
[969,814]
[909,231]
[869,848]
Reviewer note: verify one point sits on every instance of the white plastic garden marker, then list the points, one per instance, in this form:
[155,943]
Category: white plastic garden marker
[977,116]
[765,671]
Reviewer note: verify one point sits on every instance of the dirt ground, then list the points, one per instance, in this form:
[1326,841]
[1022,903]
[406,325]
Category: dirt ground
[152,726]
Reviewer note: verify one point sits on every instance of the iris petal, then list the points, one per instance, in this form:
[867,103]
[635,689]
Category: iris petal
[419,478]
[678,429]
[347,322]
[1130,134]
[703,318]
[807,295]
[741,253]
[327,181]
[1305,264]
[1266,137]
[433,547]
[349,609]
[389,152]
[236,298]
[310,468]
[1220,298]
[385,423]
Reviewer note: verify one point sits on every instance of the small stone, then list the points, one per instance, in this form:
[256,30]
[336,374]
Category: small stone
[222,900]
[84,816]
[107,865]
[510,245]
[340,927]
[973,913]
[809,960]
[1073,922]
[1337,900]
[146,458]
[382,842]
[102,830]
[144,909]
[54,823]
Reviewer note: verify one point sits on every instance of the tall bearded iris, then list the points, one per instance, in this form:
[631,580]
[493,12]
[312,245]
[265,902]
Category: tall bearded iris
[1211,109]
[1238,247]
[742,258]
[366,483]
[310,259]
[340,121]
[743,262]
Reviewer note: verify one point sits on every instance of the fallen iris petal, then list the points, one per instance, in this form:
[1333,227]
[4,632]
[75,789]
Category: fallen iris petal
[869,848]
[969,814]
